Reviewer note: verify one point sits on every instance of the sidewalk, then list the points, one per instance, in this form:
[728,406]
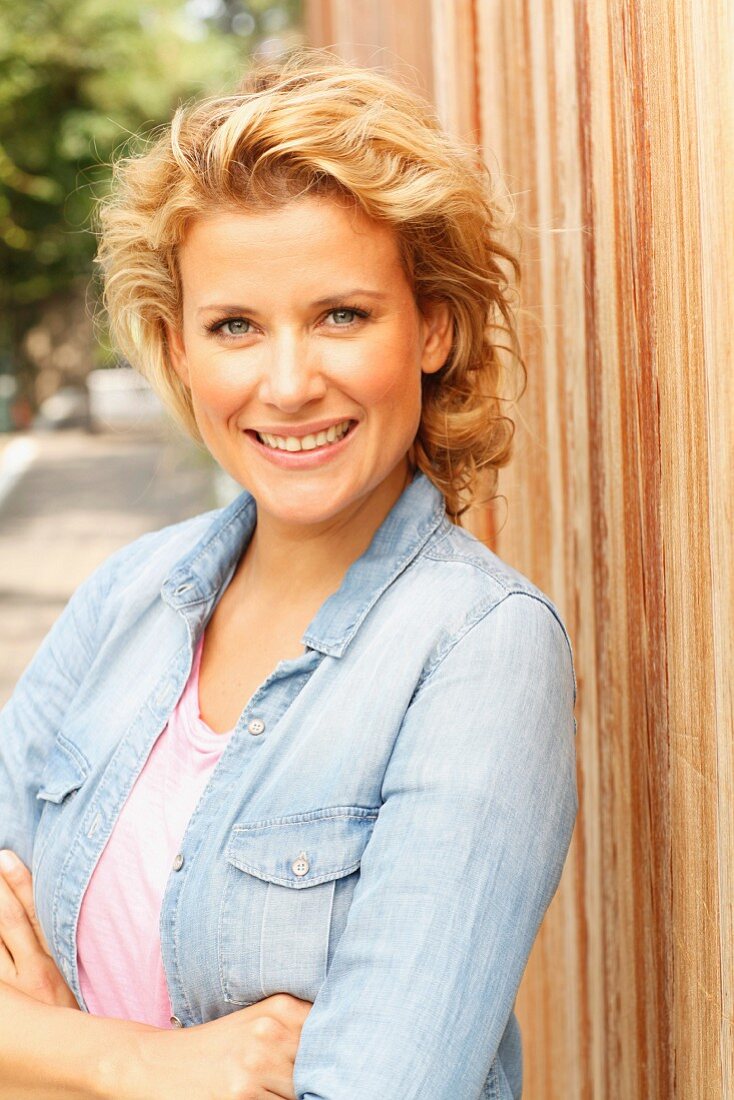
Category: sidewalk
[72,499]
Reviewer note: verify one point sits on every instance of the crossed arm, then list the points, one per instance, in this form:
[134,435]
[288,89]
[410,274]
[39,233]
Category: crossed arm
[26,964]
[48,1048]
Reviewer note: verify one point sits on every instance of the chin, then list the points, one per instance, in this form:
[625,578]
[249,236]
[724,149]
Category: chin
[300,511]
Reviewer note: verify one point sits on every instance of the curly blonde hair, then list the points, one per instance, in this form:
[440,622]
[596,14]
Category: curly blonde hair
[314,124]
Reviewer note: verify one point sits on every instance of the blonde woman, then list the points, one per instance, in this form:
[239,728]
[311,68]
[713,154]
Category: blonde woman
[287,789]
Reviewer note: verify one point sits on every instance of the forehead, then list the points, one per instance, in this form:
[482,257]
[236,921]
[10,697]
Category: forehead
[309,238]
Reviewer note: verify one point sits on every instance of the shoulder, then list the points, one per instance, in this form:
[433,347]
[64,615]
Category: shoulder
[476,595]
[147,559]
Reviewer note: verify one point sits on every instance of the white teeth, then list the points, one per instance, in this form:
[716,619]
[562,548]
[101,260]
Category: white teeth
[308,442]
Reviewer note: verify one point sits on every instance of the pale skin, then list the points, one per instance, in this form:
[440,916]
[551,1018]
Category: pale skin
[295,345]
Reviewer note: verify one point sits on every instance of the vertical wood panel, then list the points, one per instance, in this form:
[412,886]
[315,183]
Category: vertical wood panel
[712,37]
[613,126]
[388,35]
[455,59]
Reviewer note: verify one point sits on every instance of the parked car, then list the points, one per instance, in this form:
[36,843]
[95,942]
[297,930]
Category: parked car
[67,408]
[120,399]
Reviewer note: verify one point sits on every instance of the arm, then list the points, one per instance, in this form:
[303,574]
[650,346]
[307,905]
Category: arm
[479,805]
[45,1050]
[31,718]
[51,1053]
[48,1052]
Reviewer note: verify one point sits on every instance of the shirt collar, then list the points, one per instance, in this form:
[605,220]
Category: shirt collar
[199,575]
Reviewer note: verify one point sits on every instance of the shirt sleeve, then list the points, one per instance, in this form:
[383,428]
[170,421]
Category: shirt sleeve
[31,718]
[479,804]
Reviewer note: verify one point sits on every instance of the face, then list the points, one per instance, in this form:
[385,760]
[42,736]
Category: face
[300,321]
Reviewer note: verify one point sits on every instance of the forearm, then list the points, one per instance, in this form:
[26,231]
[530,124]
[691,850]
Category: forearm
[49,1053]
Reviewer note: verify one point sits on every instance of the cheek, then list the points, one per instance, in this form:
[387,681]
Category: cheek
[213,386]
[391,375]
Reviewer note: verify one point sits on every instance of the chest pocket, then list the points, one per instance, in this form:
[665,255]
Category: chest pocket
[65,771]
[288,886]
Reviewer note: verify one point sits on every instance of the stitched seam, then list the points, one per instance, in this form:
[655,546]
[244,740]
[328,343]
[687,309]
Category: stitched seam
[301,884]
[511,588]
[213,537]
[263,926]
[441,656]
[364,608]
[71,750]
[302,819]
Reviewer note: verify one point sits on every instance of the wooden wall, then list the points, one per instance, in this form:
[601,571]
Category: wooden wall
[613,125]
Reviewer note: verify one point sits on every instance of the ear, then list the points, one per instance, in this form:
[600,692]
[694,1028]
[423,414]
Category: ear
[438,335]
[177,353]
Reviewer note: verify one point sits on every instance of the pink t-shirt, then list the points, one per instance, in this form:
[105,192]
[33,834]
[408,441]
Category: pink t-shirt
[118,941]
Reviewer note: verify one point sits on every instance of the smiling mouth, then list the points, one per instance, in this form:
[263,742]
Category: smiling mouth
[293,443]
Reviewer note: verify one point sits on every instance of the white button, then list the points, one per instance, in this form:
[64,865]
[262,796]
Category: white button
[175,1022]
[178,862]
[256,726]
[300,865]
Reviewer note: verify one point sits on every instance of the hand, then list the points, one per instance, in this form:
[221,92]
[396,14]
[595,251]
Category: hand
[26,963]
[247,1055]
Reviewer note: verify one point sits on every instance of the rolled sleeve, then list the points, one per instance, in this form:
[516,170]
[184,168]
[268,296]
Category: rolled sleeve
[479,804]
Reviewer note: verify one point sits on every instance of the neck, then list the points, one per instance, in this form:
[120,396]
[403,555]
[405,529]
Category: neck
[313,560]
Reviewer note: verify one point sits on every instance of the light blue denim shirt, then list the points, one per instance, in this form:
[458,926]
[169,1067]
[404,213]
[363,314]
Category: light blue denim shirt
[385,828]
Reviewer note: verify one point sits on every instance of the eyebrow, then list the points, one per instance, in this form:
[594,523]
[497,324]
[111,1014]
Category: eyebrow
[332,300]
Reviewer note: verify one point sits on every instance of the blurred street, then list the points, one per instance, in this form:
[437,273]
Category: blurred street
[67,501]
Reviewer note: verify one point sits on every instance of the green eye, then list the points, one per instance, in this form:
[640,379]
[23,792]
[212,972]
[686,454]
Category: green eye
[345,316]
[235,327]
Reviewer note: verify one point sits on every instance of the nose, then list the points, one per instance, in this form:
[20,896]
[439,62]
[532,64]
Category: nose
[292,374]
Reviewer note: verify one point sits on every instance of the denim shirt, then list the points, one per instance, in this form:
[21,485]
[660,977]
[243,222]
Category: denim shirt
[386,826]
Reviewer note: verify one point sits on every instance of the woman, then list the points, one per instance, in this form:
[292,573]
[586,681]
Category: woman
[333,892]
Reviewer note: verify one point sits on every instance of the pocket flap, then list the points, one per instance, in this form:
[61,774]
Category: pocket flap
[305,849]
[65,770]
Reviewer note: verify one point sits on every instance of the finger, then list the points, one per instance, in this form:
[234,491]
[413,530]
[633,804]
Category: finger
[15,929]
[279,1079]
[290,1010]
[7,966]
[19,878]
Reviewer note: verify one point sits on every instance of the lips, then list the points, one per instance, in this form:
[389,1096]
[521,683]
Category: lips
[300,459]
[305,440]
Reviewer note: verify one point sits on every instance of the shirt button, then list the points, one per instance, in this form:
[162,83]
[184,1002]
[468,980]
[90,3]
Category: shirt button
[175,1022]
[300,865]
[256,726]
[178,862]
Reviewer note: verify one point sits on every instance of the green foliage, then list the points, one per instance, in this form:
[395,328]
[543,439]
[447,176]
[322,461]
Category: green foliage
[77,78]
